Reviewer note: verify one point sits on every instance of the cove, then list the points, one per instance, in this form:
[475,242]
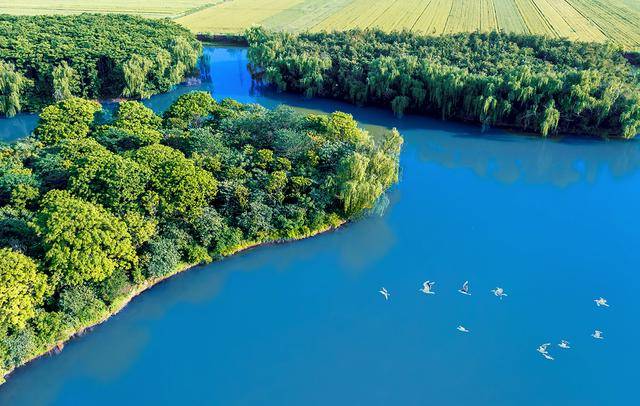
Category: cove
[551,221]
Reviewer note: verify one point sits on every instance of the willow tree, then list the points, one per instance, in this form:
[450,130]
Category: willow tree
[12,84]
[136,71]
[65,81]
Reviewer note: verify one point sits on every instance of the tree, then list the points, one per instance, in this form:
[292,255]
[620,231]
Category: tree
[69,118]
[189,109]
[183,188]
[112,181]
[139,122]
[83,242]
[65,81]
[82,304]
[12,84]
[22,288]
[136,71]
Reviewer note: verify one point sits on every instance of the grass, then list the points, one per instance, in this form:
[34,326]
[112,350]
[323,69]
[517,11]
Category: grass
[587,20]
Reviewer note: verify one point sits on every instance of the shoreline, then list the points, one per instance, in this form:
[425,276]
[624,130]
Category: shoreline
[121,303]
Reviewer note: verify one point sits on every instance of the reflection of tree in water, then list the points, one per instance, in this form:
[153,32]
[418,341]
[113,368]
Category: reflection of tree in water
[508,158]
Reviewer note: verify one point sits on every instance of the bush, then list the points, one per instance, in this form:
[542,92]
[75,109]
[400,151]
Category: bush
[81,305]
[162,257]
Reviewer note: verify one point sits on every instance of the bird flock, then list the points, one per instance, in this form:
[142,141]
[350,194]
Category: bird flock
[543,349]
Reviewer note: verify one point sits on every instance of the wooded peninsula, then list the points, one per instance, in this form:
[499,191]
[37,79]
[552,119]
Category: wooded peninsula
[94,210]
[525,82]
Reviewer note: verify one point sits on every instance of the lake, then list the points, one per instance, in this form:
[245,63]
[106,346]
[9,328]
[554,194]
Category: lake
[550,221]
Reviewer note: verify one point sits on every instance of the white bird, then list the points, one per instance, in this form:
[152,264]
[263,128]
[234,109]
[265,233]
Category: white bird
[564,344]
[601,302]
[427,288]
[542,349]
[597,335]
[465,289]
[384,293]
[547,356]
[499,292]
[462,329]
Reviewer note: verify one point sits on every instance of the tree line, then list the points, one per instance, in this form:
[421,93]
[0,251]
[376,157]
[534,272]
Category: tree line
[528,82]
[93,208]
[50,58]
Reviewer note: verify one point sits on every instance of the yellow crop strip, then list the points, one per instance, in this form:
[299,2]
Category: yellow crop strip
[536,21]
[508,16]
[488,19]
[434,19]
[584,28]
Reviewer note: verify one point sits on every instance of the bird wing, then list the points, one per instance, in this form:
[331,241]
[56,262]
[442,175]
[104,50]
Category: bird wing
[465,286]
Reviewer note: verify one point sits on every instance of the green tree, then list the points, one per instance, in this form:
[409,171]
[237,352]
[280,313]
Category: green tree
[189,109]
[65,81]
[83,242]
[139,121]
[112,181]
[69,118]
[136,77]
[22,288]
[12,84]
[183,188]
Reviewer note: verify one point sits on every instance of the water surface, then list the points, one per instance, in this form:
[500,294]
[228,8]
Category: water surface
[553,222]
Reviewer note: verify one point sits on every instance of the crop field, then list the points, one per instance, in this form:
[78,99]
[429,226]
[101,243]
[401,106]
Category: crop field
[588,20]
[147,8]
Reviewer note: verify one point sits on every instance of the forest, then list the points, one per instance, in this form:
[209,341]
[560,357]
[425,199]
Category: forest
[526,82]
[44,59]
[96,207]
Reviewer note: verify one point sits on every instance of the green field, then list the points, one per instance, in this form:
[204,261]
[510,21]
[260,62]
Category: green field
[590,20]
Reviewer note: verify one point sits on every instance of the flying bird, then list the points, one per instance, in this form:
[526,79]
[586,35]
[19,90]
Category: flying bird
[564,344]
[384,293]
[499,292]
[547,356]
[601,302]
[597,335]
[465,289]
[427,288]
[542,349]
[462,329]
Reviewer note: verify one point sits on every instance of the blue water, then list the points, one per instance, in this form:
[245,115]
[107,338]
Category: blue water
[553,222]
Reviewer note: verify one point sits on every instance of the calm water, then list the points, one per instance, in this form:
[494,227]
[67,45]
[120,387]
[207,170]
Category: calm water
[553,222]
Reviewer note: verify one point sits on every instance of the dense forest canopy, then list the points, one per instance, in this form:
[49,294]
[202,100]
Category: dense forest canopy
[528,82]
[91,211]
[51,58]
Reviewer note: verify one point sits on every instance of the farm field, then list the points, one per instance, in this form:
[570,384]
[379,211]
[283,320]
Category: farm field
[588,20]
[147,8]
